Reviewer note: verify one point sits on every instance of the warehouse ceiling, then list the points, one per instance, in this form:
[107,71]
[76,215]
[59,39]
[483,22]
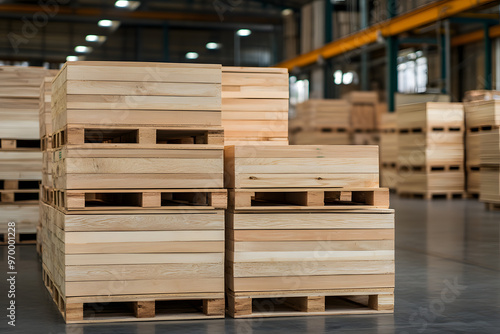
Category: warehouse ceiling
[50,30]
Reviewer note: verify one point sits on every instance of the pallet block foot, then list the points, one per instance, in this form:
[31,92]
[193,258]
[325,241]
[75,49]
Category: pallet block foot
[144,309]
[214,306]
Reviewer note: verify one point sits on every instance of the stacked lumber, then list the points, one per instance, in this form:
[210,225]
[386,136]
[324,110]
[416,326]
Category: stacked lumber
[431,150]
[481,95]
[45,119]
[255,105]
[136,212]
[388,151]
[474,128]
[364,116]
[310,226]
[20,156]
[483,118]
[321,122]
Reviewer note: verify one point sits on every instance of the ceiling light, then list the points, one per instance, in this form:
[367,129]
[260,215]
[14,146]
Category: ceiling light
[95,38]
[191,55]
[287,11]
[83,49]
[71,58]
[213,46]
[130,5]
[105,23]
[244,32]
[122,3]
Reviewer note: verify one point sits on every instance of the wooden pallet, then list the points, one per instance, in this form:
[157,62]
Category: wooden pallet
[19,196]
[434,195]
[307,166]
[21,238]
[171,199]
[19,144]
[308,199]
[306,303]
[135,137]
[492,206]
[432,168]
[125,308]
[453,128]
[19,184]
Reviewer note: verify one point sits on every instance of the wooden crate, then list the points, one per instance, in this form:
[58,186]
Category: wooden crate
[324,115]
[19,101]
[388,138]
[389,176]
[314,137]
[311,261]
[430,116]
[177,167]
[25,216]
[364,110]
[255,105]
[301,166]
[94,264]
[20,165]
[490,185]
[120,94]
[419,183]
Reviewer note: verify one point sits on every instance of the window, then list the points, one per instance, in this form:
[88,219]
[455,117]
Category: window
[412,73]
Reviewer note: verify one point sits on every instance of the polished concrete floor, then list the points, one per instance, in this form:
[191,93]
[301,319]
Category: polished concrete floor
[447,281]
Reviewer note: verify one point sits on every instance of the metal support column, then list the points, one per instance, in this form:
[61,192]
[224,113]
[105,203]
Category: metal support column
[392,70]
[365,57]
[445,49]
[166,43]
[487,58]
[328,75]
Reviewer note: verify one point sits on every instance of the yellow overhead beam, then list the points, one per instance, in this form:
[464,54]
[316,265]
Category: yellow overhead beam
[422,16]
[474,36]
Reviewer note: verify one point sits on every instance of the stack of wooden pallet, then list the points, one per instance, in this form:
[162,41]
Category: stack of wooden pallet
[321,122]
[472,148]
[388,151]
[20,156]
[364,117]
[255,105]
[483,119]
[136,215]
[307,225]
[431,150]
[45,118]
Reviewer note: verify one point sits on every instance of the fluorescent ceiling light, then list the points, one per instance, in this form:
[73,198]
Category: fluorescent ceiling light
[95,38]
[83,49]
[244,32]
[71,58]
[105,23]
[287,11]
[213,46]
[130,5]
[192,55]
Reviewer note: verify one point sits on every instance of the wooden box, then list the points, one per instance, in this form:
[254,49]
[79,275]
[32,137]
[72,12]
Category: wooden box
[19,101]
[120,94]
[301,166]
[430,116]
[310,261]
[490,147]
[255,105]
[20,165]
[428,185]
[490,184]
[145,260]
[118,168]
[25,216]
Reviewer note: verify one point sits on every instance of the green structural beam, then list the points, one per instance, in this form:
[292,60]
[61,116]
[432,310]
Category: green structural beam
[328,75]
[392,71]
[487,58]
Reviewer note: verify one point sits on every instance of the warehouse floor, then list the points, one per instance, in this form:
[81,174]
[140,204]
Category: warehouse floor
[447,281]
